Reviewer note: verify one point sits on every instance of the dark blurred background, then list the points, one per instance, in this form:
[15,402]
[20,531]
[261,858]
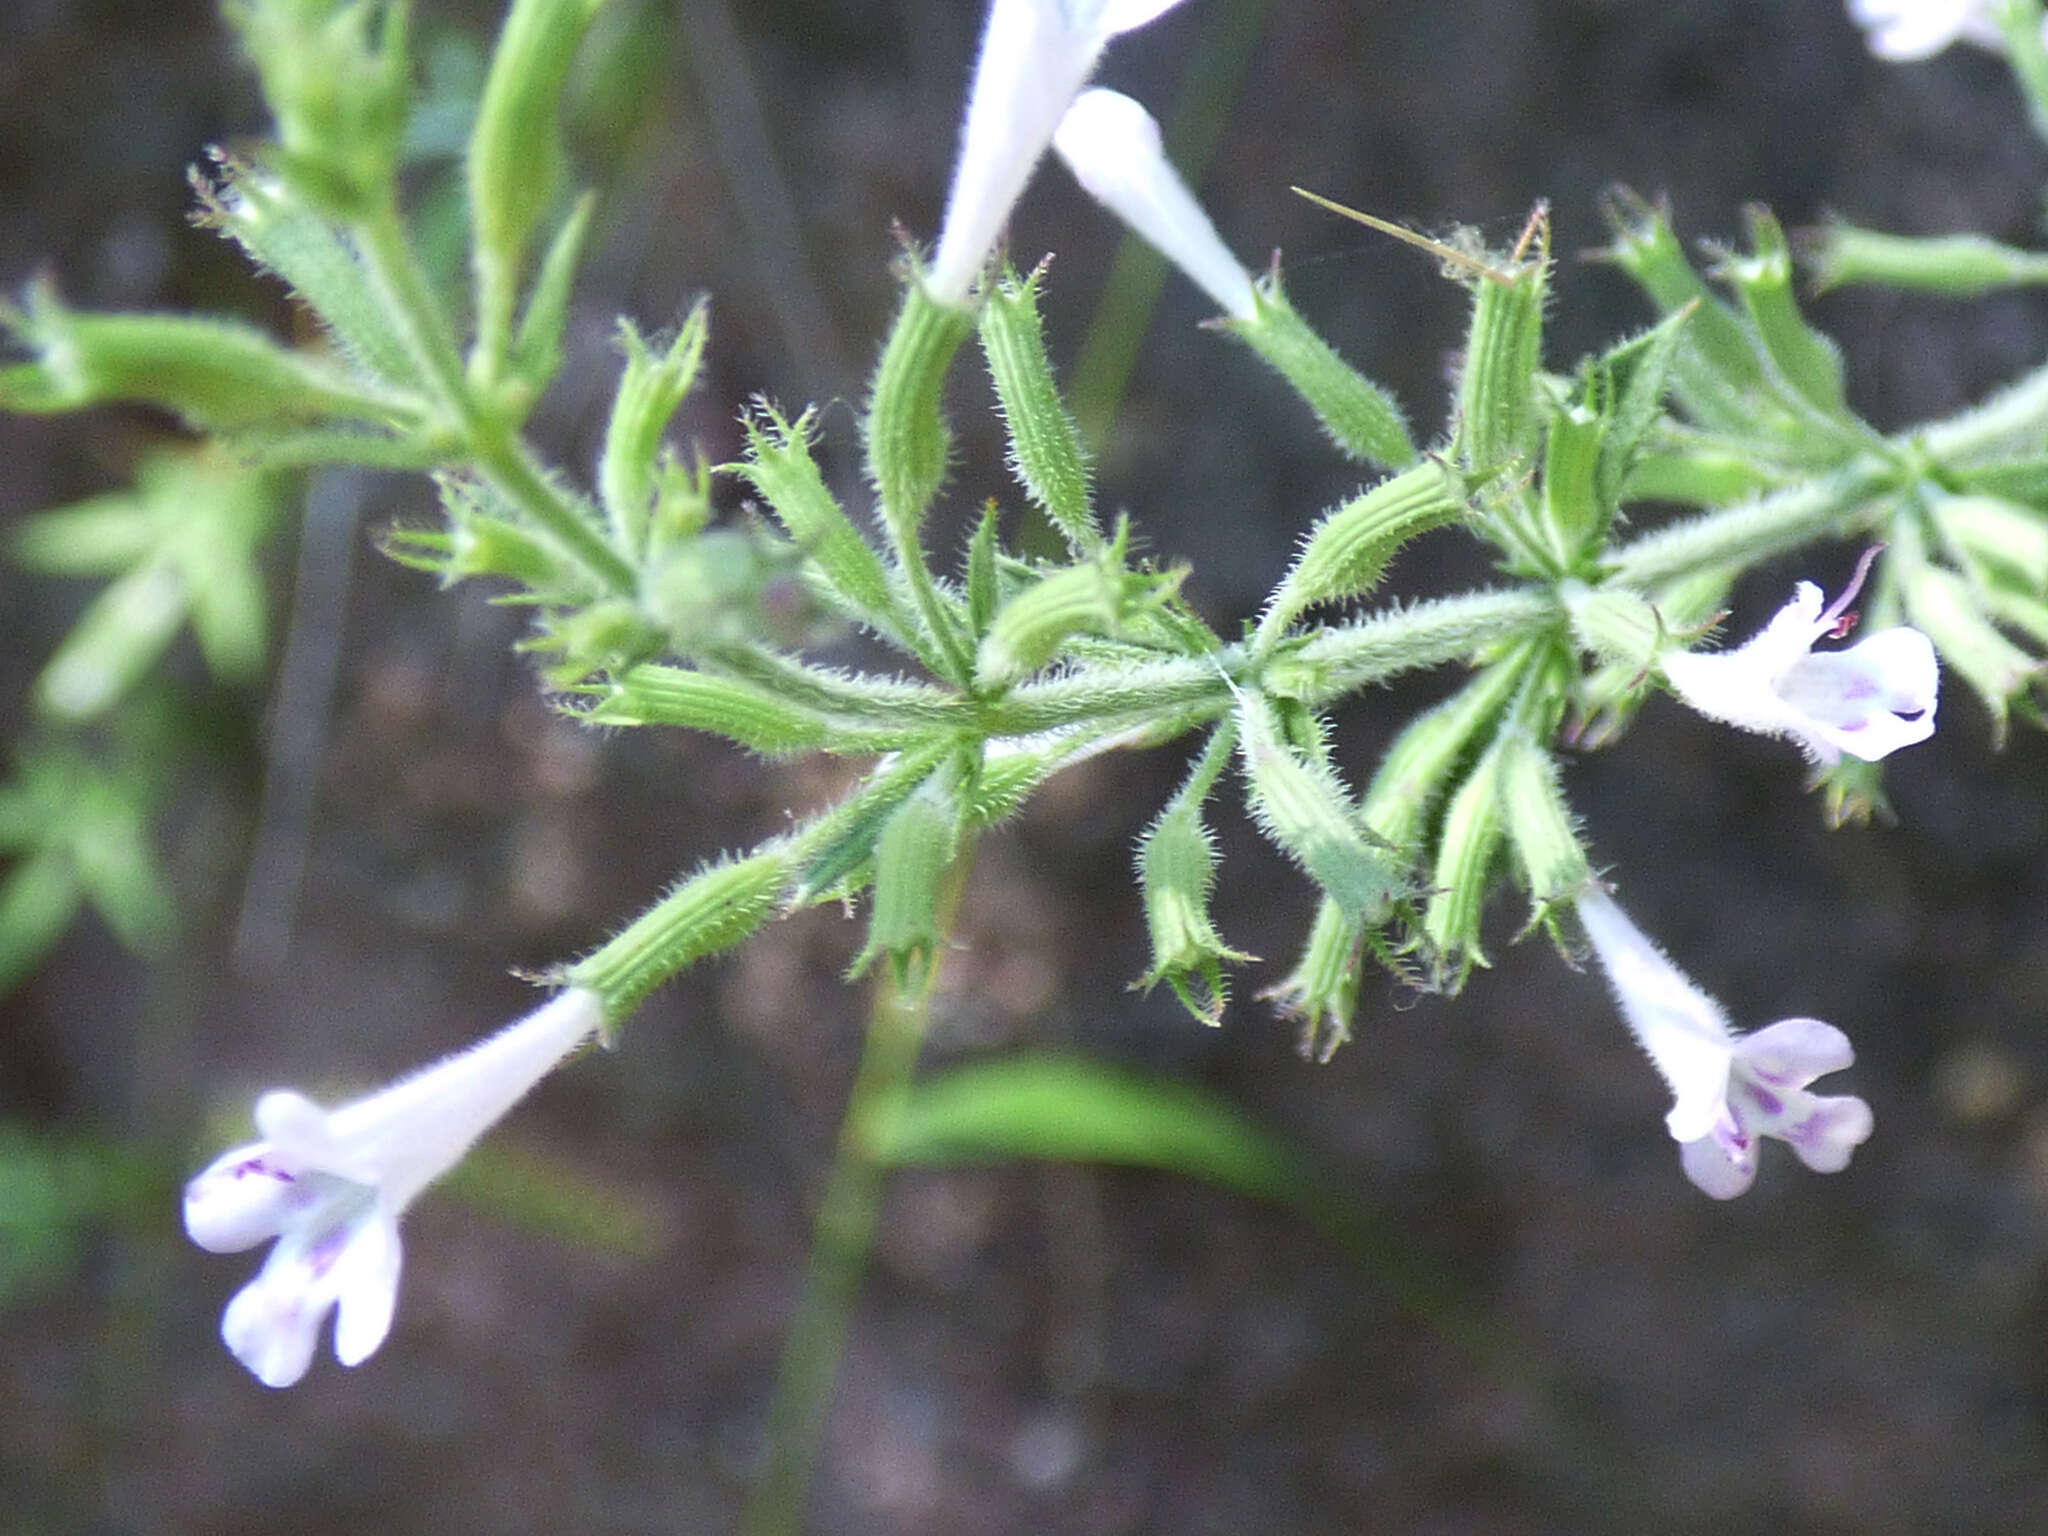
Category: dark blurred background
[1045,1349]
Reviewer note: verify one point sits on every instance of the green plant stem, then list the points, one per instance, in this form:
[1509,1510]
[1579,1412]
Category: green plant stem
[951,660]
[1346,657]
[842,1237]
[2013,421]
[499,454]
[510,466]
[389,256]
[1746,535]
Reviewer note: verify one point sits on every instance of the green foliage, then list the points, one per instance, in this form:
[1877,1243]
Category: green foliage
[335,75]
[183,547]
[648,610]
[77,830]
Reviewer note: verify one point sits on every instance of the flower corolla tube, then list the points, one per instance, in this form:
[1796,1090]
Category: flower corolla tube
[1113,147]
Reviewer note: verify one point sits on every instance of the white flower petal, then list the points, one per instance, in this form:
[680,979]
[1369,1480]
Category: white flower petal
[1031,64]
[1793,1052]
[407,1135]
[1035,57]
[244,1198]
[366,1286]
[296,1126]
[1868,701]
[1715,1169]
[1113,147]
[1117,16]
[1681,1029]
[1729,1090]
[273,1325]
[1905,30]
[1871,699]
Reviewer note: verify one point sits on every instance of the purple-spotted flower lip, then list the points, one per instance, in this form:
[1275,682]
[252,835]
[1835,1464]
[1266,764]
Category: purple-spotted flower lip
[1868,701]
[1035,57]
[330,1186]
[1728,1091]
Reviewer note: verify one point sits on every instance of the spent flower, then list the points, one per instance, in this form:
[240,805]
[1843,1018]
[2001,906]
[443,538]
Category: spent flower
[1035,57]
[1728,1090]
[331,1186]
[1869,700]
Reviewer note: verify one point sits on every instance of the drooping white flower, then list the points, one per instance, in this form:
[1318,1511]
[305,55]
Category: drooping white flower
[1905,30]
[331,1185]
[1869,700]
[1035,57]
[1728,1090]
[1113,147]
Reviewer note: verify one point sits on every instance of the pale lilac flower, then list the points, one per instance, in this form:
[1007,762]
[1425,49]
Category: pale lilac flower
[331,1185]
[1113,147]
[1727,1090]
[1035,57]
[1869,700]
[1905,30]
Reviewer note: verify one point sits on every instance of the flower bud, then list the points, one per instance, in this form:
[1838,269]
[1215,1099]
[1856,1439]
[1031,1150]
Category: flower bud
[1302,807]
[1321,992]
[1344,554]
[779,466]
[1045,445]
[515,156]
[1356,414]
[213,373]
[1956,266]
[1541,828]
[1503,350]
[650,390]
[912,857]
[1177,870]
[1803,357]
[1466,847]
[336,76]
[1943,605]
[1615,624]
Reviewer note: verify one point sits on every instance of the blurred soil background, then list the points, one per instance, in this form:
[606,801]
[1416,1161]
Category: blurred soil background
[1042,1349]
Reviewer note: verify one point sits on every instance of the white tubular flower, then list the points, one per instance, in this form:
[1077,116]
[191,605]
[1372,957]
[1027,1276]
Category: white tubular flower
[331,1186]
[1727,1090]
[1035,57]
[1113,147]
[1903,31]
[1868,701]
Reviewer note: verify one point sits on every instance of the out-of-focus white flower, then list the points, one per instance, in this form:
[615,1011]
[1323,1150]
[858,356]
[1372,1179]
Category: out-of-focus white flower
[1035,57]
[1905,30]
[331,1185]
[1113,147]
[1869,701]
[1727,1090]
